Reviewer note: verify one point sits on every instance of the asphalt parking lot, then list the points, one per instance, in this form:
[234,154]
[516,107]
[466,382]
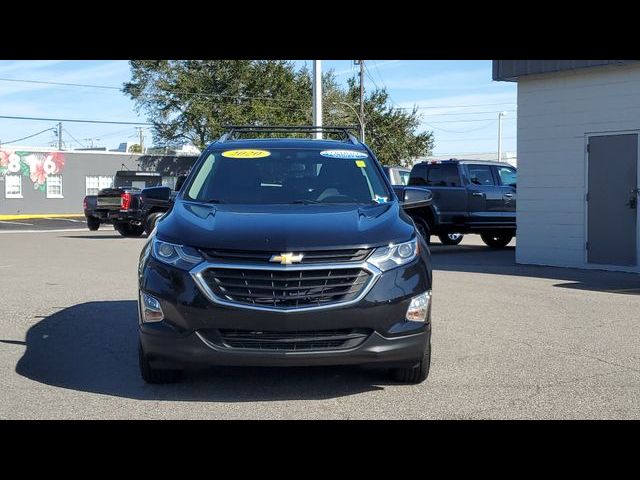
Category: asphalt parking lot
[509,341]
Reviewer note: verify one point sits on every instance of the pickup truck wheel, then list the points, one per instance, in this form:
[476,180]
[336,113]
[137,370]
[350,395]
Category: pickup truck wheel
[153,375]
[151,221]
[128,230]
[93,223]
[423,229]
[450,238]
[496,240]
[417,373]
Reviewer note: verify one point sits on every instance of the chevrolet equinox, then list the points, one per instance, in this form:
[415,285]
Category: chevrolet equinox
[286,251]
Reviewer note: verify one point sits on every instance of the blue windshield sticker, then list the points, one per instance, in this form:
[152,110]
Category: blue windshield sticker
[344,154]
[380,199]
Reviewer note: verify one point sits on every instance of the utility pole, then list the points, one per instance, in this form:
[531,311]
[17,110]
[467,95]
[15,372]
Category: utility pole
[317,97]
[500,115]
[59,135]
[141,142]
[361,63]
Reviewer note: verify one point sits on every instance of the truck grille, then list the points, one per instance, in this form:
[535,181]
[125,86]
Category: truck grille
[309,257]
[286,289]
[293,341]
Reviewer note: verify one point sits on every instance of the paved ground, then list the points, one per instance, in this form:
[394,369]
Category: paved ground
[508,342]
[54,223]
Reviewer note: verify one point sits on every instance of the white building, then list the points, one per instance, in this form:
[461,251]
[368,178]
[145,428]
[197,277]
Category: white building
[578,131]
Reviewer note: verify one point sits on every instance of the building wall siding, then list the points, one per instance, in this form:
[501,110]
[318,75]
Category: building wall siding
[555,113]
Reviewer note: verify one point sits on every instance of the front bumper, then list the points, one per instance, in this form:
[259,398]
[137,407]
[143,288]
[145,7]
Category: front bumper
[193,349]
[183,339]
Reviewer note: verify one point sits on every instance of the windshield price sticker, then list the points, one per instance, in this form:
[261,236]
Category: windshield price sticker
[246,153]
[361,164]
[344,154]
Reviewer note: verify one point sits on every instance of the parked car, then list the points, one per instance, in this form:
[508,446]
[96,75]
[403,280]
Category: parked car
[397,175]
[283,252]
[469,196]
[134,204]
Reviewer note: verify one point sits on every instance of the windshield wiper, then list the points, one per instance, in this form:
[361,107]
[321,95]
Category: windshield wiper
[306,202]
[213,200]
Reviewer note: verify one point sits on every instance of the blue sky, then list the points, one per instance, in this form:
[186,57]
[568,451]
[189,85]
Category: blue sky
[458,100]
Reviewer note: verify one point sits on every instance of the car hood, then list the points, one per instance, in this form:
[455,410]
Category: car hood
[284,227]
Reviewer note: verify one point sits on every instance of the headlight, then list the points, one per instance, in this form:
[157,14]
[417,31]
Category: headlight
[386,258]
[179,256]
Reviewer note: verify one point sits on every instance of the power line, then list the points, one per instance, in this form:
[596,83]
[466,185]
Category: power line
[110,87]
[72,120]
[459,131]
[460,106]
[61,84]
[474,120]
[475,139]
[30,136]
[74,138]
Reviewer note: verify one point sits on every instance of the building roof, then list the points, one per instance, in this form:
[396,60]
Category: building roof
[511,70]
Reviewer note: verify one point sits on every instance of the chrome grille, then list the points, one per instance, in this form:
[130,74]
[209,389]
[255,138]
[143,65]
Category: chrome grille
[286,288]
[309,257]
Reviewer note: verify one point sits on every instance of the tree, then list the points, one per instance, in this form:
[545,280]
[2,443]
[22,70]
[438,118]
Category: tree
[135,148]
[390,132]
[191,100]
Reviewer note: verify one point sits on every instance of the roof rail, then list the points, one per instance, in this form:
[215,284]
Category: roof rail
[233,130]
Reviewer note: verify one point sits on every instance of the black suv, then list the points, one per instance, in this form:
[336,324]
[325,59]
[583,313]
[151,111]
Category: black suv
[469,196]
[286,251]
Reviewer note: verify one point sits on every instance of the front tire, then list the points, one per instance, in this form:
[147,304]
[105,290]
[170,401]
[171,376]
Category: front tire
[93,223]
[496,240]
[150,222]
[154,375]
[450,238]
[423,229]
[417,373]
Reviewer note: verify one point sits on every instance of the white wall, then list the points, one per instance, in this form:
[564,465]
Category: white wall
[555,112]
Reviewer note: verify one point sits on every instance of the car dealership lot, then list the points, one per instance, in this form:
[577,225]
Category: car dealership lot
[509,341]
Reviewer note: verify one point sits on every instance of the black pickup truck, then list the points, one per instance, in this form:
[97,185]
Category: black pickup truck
[133,205]
[469,196]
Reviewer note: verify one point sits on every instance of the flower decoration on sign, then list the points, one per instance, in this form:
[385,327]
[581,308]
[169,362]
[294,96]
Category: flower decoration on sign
[35,165]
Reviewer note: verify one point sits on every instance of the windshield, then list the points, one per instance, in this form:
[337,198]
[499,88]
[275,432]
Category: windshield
[280,175]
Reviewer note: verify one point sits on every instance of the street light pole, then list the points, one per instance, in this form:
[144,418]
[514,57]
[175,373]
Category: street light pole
[500,115]
[361,63]
[59,135]
[317,96]
[360,122]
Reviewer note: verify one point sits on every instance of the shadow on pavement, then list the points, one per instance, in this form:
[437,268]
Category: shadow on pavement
[481,259]
[92,347]
[94,237]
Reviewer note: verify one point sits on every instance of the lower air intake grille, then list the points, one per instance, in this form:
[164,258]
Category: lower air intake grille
[293,341]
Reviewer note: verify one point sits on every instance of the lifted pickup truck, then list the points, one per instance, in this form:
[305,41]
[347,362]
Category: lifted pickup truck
[133,205]
[469,196]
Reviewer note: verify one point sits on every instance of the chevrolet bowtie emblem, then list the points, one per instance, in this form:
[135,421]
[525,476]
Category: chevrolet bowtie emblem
[287,258]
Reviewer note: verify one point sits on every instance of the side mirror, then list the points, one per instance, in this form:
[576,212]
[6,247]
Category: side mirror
[416,197]
[157,193]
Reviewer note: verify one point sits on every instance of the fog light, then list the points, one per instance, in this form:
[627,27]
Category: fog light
[151,309]
[419,306]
